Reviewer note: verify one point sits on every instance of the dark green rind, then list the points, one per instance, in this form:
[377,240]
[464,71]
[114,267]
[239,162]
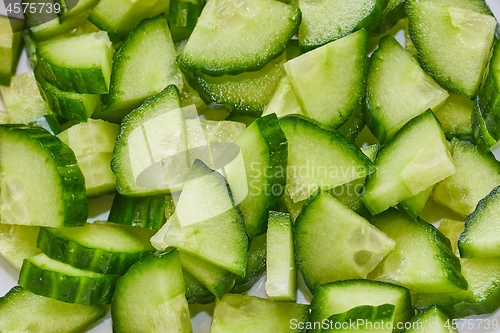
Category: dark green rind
[146,212]
[482,136]
[390,16]
[195,291]
[48,122]
[430,319]
[55,244]
[256,265]
[488,100]
[22,311]
[362,315]
[183,16]
[354,124]
[67,288]
[71,177]
[69,105]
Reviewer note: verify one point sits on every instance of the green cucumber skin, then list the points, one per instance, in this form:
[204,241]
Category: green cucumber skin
[390,18]
[195,291]
[82,257]
[256,265]
[183,16]
[489,94]
[146,212]
[70,289]
[72,181]
[482,136]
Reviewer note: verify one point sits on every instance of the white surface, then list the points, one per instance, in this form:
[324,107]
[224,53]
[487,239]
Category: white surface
[200,313]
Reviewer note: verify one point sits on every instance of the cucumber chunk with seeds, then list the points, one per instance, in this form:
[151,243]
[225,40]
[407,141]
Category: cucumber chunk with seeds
[364,319]
[51,278]
[319,157]
[417,157]
[18,242]
[22,311]
[232,37]
[143,66]
[79,64]
[453,43]
[422,261]
[342,296]
[245,314]
[332,243]
[329,82]
[53,193]
[397,90]
[137,304]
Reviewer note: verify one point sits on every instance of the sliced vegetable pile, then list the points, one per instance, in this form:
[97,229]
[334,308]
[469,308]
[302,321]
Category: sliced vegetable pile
[231,135]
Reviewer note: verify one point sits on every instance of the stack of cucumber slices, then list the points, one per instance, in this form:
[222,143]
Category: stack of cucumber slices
[252,165]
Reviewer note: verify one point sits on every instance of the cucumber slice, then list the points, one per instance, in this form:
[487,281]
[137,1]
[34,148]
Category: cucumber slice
[56,195]
[22,311]
[79,64]
[328,250]
[479,238]
[342,296]
[325,21]
[131,81]
[256,265]
[455,117]
[120,17]
[477,174]
[417,157]
[281,283]
[98,247]
[239,313]
[215,220]
[50,278]
[147,212]
[22,100]
[18,242]
[69,105]
[364,319]
[182,16]
[217,280]
[453,43]
[137,305]
[431,320]
[319,157]
[414,205]
[397,90]
[315,78]
[283,100]
[417,242]
[246,93]
[258,184]
[149,130]
[242,36]
[11,45]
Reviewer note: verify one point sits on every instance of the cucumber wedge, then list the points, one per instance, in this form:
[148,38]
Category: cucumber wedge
[367,319]
[417,242]
[18,242]
[455,117]
[453,43]
[319,157]
[215,220]
[22,311]
[47,277]
[283,100]
[329,82]
[137,305]
[232,37]
[53,193]
[417,157]
[143,66]
[332,243]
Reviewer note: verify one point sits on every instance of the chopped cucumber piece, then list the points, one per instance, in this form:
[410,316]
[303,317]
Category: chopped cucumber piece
[319,157]
[22,311]
[455,117]
[182,16]
[258,184]
[397,90]
[414,205]
[489,100]
[354,124]
[11,45]
[367,319]
[477,174]
[196,292]
[18,242]
[342,296]
[143,66]
[422,261]
[72,11]
[325,21]
[137,304]
[281,283]
[283,100]
[431,320]
[51,278]
[482,136]
[215,220]
[232,37]
[329,82]
[328,250]
[453,43]
[417,157]
[245,314]
[53,193]
[391,15]
[256,265]
[79,64]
